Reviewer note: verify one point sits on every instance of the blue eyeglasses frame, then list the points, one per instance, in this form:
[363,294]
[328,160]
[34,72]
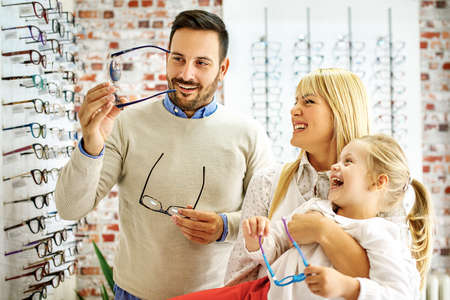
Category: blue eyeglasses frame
[291,278]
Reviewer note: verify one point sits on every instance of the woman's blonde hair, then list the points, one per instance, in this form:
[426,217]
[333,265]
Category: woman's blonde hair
[385,156]
[347,97]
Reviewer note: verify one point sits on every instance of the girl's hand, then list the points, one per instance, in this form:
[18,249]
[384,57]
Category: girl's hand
[252,228]
[329,283]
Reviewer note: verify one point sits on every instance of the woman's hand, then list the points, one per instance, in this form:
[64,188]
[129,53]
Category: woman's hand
[344,252]
[308,228]
[329,283]
[252,228]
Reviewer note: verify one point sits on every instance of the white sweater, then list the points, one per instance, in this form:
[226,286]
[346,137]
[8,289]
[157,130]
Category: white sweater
[154,260]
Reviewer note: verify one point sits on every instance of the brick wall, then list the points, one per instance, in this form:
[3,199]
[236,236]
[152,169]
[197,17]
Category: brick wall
[435,75]
[111,25]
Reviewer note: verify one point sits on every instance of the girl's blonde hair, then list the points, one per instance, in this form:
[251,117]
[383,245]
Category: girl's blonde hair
[347,97]
[385,156]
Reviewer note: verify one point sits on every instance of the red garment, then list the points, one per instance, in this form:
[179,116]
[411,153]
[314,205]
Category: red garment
[251,290]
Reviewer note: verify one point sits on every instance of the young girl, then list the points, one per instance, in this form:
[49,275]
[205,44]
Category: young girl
[370,178]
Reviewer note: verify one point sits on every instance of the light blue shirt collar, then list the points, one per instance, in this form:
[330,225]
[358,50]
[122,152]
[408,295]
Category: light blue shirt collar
[200,113]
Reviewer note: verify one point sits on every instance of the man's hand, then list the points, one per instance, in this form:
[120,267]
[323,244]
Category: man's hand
[199,226]
[329,283]
[97,114]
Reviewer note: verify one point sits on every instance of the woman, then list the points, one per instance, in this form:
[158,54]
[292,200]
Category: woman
[370,178]
[330,110]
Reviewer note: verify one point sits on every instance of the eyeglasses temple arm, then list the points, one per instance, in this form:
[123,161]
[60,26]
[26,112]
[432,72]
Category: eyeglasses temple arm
[294,242]
[201,190]
[27,174]
[14,226]
[140,100]
[19,102]
[146,181]
[136,48]
[265,258]
[19,150]
[17,52]
[20,126]
[16,201]
[23,3]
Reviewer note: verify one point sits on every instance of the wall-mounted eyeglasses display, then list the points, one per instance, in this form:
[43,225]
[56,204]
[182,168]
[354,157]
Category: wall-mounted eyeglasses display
[40,151]
[37,80]
[34,224]
[265,81]
[38,9]
[55,46]
[39,176]
[38,273]
[55,7]
[39,105]
[63,134]
[39,201]
[57,258]
[36,57]
[58,28]
[67,75]
[43,249]
[36,129]
[36,293]
[35,33]
[40,65]
[389,89]
[57,237]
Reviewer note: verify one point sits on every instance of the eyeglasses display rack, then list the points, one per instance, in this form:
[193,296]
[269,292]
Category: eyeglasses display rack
[38,114]
[266,90]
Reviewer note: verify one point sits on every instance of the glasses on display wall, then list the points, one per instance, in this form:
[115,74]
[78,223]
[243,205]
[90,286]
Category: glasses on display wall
[389,92]
[40,76]
[38,9]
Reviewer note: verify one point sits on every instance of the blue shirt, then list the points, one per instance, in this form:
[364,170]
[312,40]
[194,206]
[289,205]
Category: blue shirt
[175,110]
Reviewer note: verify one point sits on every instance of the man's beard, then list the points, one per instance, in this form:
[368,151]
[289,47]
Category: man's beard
[203,98]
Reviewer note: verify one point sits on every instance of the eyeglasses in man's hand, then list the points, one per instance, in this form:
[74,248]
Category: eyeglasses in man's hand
[155,205]
[115,73]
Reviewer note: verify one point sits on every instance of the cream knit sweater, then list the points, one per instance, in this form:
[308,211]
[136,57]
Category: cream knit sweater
[154,260]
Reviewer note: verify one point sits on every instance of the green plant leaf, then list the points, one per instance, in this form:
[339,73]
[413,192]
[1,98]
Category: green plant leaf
[104,293]
[107,270]
[79,296]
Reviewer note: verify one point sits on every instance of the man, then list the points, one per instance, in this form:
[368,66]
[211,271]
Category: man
[166,155]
